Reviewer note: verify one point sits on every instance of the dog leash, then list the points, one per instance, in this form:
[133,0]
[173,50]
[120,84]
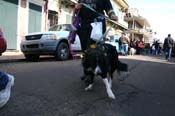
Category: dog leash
[104,35]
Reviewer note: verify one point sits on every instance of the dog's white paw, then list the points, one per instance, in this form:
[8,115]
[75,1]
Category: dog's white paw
[110,94]
[89,87]
[110,83]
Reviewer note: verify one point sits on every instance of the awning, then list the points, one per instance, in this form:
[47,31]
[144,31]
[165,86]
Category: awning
[123,27]
[118,25]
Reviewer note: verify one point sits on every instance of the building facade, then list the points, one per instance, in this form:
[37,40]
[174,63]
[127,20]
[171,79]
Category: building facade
[138,26]
[60,11]
[118,6]
[20,17]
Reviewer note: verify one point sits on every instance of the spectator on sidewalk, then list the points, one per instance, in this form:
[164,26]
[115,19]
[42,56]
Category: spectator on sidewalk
[156,45]
[132,47]
[124,43]
[168,44]
[140,46]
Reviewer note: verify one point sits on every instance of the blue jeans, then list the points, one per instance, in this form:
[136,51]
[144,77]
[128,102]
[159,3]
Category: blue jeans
[124,49]
[168,51]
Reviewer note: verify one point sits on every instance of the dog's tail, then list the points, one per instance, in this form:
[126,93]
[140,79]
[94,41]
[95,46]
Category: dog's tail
[121,67]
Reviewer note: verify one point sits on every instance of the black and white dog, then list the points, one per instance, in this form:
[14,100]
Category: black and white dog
[102,59]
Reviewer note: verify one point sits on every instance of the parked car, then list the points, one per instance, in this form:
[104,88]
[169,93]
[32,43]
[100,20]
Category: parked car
[3,44]
[53,42]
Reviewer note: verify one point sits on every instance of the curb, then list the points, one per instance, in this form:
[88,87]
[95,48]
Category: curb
[10,60]
[11,56]
[12,53]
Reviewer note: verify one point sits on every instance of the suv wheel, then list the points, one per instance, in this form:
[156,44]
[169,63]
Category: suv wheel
[62,52]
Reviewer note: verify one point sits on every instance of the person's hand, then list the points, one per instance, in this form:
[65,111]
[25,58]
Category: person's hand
[78,5]
[114,17]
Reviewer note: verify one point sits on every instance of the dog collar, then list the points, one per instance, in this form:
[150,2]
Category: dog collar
[93,46]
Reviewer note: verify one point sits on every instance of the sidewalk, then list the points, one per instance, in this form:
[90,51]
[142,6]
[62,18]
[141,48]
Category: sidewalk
[10,56]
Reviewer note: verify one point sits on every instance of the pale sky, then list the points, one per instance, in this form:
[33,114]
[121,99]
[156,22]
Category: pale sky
[160,14]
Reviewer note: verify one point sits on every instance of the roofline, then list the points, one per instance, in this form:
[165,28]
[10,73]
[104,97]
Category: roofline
[138,18]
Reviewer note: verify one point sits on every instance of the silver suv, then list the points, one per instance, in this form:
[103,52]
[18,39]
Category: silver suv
[53,42]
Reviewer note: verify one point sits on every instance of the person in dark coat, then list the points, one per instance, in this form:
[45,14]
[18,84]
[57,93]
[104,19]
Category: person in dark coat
[168,44]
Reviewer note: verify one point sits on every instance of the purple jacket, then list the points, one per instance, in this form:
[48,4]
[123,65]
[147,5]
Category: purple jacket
[76,21]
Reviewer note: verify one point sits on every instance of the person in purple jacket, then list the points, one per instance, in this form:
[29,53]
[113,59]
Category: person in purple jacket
[76,21]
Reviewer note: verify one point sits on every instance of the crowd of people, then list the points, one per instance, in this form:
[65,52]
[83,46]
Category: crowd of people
[131,47]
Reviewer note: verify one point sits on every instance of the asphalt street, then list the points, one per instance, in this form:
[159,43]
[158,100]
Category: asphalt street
[54,88]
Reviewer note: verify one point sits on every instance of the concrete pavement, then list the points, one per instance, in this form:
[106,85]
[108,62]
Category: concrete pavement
[11,56]
[55,89]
